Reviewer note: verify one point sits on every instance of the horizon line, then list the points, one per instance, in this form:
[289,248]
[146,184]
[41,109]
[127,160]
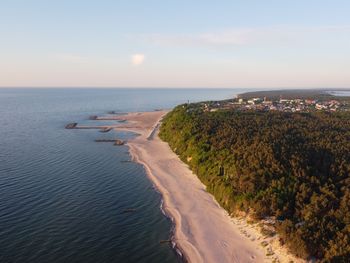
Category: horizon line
[145,87]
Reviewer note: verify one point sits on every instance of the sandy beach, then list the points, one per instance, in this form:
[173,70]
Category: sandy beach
[204,232]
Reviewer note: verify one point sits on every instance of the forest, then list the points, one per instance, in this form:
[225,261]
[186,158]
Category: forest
[294,167]
[318,94]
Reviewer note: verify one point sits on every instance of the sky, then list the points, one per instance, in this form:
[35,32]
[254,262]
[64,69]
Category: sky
[178,43]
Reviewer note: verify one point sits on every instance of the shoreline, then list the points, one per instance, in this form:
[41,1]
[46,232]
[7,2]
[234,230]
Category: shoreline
[175,245]
[157,186]
[202,230]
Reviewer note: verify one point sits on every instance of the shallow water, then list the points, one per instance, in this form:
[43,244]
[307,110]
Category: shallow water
[63,196]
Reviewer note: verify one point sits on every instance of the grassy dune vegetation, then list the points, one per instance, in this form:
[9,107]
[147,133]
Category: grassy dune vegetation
[294,167]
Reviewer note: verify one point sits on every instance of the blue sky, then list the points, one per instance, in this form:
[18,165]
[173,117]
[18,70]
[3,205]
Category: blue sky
[250,43]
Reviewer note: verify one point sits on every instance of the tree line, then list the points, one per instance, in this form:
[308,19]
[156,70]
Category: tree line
[292,166]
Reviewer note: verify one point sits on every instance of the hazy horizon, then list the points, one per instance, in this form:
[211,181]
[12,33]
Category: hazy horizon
[245,44]
[181,88]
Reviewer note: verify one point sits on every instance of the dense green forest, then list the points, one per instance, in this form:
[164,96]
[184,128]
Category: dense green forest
[293,166]
[319,94]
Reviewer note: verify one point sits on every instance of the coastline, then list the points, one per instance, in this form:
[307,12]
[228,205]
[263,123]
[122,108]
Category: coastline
[163,207]
[203,231]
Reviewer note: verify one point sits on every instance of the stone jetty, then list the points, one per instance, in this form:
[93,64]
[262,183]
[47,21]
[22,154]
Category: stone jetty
[116,141]
[71,125]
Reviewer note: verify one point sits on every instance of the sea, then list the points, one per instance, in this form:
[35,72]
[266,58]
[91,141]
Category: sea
[66,198]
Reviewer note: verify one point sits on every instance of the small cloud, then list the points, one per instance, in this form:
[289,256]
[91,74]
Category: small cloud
[137,59]
[70,58]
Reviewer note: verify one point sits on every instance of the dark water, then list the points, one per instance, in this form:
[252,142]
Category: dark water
[62,195]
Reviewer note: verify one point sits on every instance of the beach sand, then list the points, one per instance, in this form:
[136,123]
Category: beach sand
[204,232]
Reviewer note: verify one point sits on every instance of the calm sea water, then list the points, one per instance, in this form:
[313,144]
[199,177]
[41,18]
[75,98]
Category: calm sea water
[62,195]
[344,93]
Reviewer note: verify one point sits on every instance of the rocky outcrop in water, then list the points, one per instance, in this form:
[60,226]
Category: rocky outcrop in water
[116,141]
[106,129]
[71,125]
[119,142]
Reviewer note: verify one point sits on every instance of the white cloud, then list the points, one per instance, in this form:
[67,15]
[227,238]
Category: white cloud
[137,59]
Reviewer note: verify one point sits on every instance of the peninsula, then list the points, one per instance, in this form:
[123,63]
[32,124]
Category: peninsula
[249,179]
